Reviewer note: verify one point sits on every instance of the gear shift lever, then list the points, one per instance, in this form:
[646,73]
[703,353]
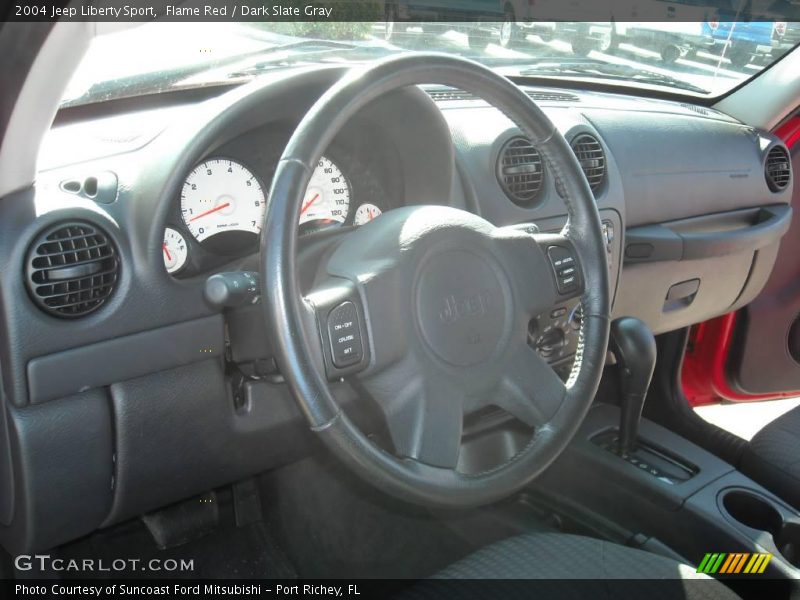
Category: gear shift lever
[633,344]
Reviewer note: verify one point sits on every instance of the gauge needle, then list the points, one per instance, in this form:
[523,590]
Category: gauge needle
[308,204]
[210,210]
[166,251]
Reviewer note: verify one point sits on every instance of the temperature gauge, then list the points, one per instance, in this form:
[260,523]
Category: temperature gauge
[366,213]
[174,250]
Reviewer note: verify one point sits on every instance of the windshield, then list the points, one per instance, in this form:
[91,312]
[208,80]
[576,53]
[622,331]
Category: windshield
[704,59]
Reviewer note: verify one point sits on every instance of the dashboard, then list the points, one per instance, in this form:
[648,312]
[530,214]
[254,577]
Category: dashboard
[127,389]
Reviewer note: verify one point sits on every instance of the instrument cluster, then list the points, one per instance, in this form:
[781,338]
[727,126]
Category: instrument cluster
[222,205]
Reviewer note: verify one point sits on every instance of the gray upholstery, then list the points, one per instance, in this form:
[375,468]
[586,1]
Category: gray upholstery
[584,565]
[773,457]
[563,556]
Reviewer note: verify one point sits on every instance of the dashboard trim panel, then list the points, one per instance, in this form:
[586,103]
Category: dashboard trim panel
[104,363]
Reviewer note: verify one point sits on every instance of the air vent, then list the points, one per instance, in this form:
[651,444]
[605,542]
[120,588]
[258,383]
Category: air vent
[698,109]
[520,171]
[453,95]
[71,269]
[591,158]
[450,95]
[542,96]
[778,169]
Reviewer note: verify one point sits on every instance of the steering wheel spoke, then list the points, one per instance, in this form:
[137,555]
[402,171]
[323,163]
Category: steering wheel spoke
[340,322]
[544,267]
[425,420]
[529,390]
[566,273]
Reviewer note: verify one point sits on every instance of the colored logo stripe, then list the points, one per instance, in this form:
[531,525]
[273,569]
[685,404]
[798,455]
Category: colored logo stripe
[729,563]
[734,563]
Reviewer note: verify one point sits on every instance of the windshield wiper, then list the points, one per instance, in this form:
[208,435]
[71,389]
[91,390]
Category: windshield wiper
[605,70]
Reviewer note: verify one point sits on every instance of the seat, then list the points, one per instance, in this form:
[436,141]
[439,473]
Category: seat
[772,458]
[582,564]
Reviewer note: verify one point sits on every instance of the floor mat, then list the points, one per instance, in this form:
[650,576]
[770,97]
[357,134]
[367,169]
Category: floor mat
[229,551]
[333,525]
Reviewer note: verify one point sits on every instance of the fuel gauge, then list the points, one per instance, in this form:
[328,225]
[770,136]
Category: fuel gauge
[174,250]
[366,213]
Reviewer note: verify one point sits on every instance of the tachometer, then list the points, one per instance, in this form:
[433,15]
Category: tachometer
[221,195]
[327,198]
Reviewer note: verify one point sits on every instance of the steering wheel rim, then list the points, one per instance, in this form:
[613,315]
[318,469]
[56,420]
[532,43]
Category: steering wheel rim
[295,319]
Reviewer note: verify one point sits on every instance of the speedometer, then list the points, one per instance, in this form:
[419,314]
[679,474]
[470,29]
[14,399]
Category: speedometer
[219,196]
[327,198]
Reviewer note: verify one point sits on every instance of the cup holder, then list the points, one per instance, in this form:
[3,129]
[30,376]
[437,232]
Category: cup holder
[788,543]
[753,511]
[758,512]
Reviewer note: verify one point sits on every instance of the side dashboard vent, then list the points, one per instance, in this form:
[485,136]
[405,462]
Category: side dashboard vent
[778,170]
[700,110]
[71,269]
[591,158]
[520,171]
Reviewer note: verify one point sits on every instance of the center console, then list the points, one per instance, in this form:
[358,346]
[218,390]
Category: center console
[666,491]
[695,505]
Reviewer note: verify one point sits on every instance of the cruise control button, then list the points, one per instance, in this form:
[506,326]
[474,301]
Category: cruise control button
[559,256]
[344,332]
[565,286]
[564,272]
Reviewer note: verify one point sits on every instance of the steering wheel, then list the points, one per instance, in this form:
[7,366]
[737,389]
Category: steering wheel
[428,306]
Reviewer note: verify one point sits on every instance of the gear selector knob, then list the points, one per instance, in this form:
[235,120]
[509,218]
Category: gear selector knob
[634,346]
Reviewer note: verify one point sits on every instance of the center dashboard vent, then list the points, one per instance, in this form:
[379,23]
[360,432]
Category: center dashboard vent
[452,95]
[591,158]
[71,269]
[545,96]
[520,171]
[777,169]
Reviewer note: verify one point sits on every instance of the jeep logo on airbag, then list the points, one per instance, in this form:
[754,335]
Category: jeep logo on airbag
[461,306]
[454,309]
